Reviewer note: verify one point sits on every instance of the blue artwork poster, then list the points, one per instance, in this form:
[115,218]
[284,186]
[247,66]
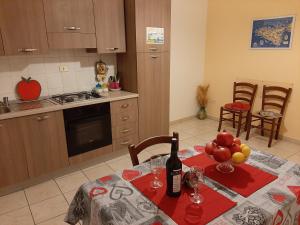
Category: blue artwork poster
[272,33]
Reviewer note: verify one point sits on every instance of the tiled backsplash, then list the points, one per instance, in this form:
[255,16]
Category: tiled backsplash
[45,69]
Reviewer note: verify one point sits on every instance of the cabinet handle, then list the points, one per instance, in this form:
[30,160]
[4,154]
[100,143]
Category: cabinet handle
[46,117]
[153,49]
[39,118]
[124,106]
[27,49]
[125,142]
[124,118]
[112,49]
[125,131]
[71,28]
[154,56]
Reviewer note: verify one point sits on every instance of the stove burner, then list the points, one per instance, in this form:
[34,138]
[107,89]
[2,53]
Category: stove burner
[74,97]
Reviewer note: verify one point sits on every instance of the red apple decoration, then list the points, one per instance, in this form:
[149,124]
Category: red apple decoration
[237,141]
[235,148]
[225,139]
[222,154]
[28,89]
[210,147]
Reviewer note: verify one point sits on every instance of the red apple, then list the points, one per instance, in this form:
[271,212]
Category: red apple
[237,141]
[235,148]
[225,139]
[210,147]
[222,154]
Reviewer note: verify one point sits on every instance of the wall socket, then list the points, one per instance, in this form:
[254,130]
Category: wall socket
[63,68]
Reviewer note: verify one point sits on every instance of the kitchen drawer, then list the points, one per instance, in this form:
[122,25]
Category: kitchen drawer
[122,143]
[124,130]
[124,117]
[124,106]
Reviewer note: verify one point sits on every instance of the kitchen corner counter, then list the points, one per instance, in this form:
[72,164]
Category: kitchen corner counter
[52,106]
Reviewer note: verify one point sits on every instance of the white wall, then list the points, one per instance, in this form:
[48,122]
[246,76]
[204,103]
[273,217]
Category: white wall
[45,69]
[187,55]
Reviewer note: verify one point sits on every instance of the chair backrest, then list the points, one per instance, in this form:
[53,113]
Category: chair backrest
[134,150]
[244,92]
[275,97]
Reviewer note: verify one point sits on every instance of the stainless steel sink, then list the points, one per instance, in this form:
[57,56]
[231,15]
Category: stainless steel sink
[4,109]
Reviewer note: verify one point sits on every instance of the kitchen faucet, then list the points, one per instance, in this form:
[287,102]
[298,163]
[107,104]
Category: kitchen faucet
[5,102]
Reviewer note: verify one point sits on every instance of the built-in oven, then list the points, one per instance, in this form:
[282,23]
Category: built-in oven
[87,128]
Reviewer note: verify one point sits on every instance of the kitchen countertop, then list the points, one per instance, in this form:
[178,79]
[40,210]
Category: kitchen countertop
[48,105]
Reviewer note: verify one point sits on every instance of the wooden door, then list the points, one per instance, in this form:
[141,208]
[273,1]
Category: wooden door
[154,88]
[13,165]
[23,27]
[156,14]
[70,23]
[45,142]
[110,26]
[1,45]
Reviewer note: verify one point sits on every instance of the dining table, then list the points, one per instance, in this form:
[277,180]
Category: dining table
[265,190]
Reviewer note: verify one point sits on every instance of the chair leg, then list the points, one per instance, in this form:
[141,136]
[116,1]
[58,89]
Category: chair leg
[239,125]
[249,124]
[246,123]
[233,120]
[278,129]
[272,133]
[221,119]
[262,124]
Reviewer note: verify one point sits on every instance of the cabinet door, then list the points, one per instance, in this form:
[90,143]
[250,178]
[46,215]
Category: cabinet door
[152,14]
[110,26]
[154,88]
[45,142]
[1,45]
[13,165]
[23,26]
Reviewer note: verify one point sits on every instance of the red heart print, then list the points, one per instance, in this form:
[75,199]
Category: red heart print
[278,197]
[97,191]
[105,179]
[130,174]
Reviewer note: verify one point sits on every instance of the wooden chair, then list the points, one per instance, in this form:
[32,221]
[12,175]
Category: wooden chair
[243,98]
[134,150]
[274,101]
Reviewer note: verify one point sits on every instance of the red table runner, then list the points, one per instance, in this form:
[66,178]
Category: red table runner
[245,180]
[181,209]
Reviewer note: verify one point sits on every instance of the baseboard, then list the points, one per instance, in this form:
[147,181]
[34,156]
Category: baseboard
[182,120]
[282,137]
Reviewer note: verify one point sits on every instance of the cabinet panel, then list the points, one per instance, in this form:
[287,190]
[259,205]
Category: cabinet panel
[13,165]
[64,15]
[152,13]
[154,92]
[110,26]
[45,142]
[1,45]
[71,40]
[23,27]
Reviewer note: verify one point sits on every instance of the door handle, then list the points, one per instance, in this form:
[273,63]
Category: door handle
[125,142]
[125,131]
[124,106]
[112,49]
[27,50]
[124,118]
[154,56]
[72,28]
[153,49]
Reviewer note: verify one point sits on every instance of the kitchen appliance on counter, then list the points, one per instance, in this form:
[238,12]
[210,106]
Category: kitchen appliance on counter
[74,97]
[87,128]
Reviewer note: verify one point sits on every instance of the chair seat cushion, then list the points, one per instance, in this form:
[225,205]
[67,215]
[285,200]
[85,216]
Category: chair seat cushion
[238,106]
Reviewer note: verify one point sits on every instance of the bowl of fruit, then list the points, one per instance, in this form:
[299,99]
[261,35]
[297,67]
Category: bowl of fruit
[227,151]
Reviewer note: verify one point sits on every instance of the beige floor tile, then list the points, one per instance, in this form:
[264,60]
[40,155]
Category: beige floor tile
[18,217]
[120,164]
[42,192]
[12,201]
[98,171]
[295,158]
[283,153]
[71,181]
[55,221]
[49,209]
[70,195]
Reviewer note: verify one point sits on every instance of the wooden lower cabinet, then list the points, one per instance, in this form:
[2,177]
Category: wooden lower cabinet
[1,45]
[13,165]
[45,142]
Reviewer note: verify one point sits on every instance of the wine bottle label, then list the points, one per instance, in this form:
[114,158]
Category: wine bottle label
[176,174]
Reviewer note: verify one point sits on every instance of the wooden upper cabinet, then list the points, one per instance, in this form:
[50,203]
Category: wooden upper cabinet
[13,165]
[110,26]
[1,45]
[70,23]
[23,27]
[45,142]
[152,14]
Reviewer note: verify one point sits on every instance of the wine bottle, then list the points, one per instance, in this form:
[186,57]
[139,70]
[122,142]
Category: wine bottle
[174,171]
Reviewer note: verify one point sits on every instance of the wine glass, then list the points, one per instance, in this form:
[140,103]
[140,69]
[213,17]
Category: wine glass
[156,166]
[196,177]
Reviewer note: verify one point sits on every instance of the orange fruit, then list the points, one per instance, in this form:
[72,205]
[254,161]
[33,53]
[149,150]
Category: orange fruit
[238,158]
[246,151]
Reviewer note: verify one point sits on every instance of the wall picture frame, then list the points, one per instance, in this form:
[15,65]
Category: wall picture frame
[272,33]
